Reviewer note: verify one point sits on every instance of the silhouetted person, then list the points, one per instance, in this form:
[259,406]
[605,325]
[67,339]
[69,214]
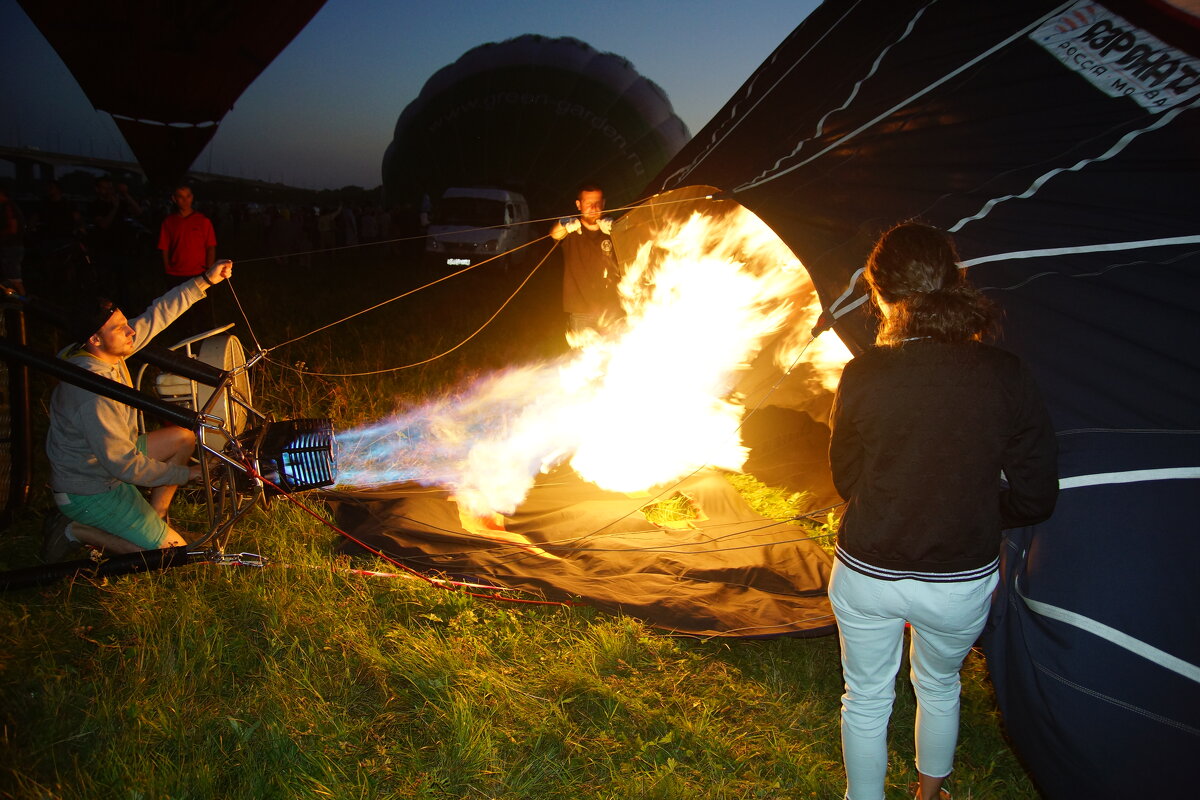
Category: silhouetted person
[12,241]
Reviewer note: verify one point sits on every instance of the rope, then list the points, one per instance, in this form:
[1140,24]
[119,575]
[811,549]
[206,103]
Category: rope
[237,301]
[410,292]
[570,544]
[475,333]
[447,585]
[644,203]
[663,492]
[319,251]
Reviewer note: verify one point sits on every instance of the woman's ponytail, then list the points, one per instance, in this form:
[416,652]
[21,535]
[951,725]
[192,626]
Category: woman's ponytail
[914,270]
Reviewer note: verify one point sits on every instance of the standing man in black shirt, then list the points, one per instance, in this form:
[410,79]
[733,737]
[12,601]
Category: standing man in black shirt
[590,273]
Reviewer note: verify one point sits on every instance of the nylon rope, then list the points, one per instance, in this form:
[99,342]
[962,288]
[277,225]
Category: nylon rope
[406,294]
[734,121]
[431,358]
[643,203]
[432,582]
[238,301]
[637,204]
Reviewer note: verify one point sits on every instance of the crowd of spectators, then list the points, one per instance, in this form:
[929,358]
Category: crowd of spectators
[104,242]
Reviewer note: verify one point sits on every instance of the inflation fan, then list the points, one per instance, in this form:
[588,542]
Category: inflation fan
[203,384]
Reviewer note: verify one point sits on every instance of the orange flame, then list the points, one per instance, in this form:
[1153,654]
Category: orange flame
[648,400]
[699,300]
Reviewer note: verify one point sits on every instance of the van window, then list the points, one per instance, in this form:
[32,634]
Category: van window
[475,212]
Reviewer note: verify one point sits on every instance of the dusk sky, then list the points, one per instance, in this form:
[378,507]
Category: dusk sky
[322,114]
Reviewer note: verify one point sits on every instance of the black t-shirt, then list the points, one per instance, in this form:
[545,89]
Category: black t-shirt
[589,273]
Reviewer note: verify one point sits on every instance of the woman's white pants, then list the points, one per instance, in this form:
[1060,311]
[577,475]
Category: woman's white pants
[946,619]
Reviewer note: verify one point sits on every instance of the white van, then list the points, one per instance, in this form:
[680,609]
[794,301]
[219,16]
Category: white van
[472,224]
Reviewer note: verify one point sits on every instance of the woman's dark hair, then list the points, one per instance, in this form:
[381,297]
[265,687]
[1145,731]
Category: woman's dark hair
[914,269]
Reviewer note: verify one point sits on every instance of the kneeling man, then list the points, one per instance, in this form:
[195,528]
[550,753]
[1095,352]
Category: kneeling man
[97,458]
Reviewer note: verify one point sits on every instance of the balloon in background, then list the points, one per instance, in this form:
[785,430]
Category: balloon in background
[537,115]
[168,72]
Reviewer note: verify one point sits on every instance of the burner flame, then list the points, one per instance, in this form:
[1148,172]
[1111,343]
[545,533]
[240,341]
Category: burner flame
[647,400]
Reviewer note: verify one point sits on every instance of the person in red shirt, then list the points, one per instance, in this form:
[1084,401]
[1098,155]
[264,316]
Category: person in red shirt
[189,245]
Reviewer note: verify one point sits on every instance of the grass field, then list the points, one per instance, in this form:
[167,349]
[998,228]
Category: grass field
[306,680]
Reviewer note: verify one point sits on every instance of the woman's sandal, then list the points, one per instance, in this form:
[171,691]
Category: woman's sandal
[914,789]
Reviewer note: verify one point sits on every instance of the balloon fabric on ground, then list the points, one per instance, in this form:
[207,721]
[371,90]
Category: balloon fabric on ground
[731,572]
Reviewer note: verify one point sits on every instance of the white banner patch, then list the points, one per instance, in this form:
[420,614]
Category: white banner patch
[1120,59]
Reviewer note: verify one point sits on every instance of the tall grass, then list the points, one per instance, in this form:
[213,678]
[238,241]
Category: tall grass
[305,679]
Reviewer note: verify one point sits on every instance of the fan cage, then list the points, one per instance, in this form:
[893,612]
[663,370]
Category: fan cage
[296,454]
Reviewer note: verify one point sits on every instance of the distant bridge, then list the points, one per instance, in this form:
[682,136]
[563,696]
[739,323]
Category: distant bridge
[31,165]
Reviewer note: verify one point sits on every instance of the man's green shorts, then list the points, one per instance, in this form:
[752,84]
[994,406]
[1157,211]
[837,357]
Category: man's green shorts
[121,511]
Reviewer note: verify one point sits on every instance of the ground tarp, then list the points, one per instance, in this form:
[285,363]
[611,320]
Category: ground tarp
[728,572]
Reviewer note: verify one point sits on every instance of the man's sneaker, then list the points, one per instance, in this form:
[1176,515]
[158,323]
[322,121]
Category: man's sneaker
[55,544]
